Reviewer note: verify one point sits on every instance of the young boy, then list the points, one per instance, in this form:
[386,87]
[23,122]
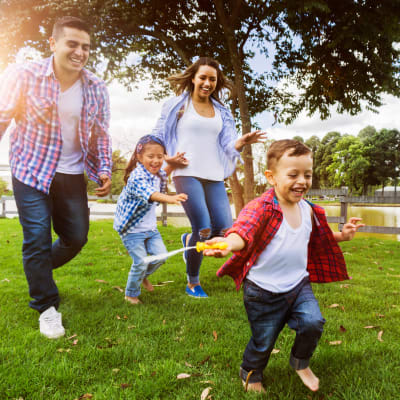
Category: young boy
[281,243]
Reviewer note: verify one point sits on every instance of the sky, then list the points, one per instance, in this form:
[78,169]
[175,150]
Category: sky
[132,117]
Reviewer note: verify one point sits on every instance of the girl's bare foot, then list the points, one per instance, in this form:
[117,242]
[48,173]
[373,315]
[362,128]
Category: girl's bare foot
[133,300]
[308,378]
[147,285]
[253,387]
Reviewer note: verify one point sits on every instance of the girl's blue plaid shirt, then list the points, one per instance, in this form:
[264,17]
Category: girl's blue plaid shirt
[134,201]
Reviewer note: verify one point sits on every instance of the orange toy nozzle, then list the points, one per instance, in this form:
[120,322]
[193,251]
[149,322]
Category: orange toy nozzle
[200,246]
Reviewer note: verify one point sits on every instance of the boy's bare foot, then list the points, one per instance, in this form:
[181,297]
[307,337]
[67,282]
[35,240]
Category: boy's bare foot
[253,387]
[147,285]
[133,300]
[308,378]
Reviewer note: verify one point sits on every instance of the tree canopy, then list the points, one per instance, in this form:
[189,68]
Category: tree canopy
[313,54]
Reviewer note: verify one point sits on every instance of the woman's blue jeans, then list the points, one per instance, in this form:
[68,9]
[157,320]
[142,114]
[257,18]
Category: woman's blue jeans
[268,313]
[209,213]
[66,207]
[139,245]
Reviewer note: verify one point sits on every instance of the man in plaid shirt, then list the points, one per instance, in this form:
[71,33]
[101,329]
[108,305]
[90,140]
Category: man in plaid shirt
[61,115]
[281,243]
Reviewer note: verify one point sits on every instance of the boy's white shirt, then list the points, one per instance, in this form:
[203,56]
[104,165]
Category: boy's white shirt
[283,263]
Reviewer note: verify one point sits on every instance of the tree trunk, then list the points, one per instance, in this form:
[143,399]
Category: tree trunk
[226,22]
[237,193]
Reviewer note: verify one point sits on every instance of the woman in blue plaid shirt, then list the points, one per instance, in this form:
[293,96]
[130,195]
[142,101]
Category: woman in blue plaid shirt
[135,217]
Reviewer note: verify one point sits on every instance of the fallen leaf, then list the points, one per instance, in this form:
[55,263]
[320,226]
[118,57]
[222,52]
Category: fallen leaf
[395,276]
[205,360]
[380,333]
[333,305]
[346,286]
[201,345]
[183,376]
[275,351]
[342,308]
[6,280]
[163,321]
[118,317]
[131,326]
[101,281]
[369,327]
[188,365]
[342,328]
[380,315]
[115,370]
[205,393]
[125,385]
[119,288]
[63,350]
[335,342]
[71,337]
[215,336]
[86,396]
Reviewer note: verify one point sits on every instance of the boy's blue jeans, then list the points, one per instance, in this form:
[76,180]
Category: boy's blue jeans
[209,212]
[66,207]
[268,313]
[139,245]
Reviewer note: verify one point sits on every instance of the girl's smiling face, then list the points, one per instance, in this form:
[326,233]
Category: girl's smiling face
[291,177]
[152,157]
[204,82]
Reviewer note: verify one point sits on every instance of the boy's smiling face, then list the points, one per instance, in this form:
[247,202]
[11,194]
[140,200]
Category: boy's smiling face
[291,177]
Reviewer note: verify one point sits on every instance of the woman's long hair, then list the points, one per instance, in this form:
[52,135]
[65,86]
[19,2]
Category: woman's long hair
[182,81]
[140,146]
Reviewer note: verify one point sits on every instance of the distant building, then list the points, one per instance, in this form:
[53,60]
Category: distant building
[388,191]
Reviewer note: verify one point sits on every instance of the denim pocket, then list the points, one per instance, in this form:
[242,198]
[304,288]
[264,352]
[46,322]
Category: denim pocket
[251,292]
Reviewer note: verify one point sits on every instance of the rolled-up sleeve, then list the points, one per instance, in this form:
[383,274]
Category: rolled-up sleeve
[11,83]
[100,132]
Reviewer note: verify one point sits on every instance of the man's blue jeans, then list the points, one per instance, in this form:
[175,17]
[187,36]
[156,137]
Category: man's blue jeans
[268,313]
[66,206]
[209,213]
[139,245]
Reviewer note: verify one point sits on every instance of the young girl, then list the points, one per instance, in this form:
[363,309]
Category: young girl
[135,217]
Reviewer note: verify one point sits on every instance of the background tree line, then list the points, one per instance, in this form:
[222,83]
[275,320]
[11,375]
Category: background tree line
[362,162]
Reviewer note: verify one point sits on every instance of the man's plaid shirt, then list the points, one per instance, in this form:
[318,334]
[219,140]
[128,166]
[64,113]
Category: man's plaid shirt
[258,223]
[29,95]
[134,200]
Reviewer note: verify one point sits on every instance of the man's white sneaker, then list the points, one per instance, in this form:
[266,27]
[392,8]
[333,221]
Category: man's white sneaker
[50,324]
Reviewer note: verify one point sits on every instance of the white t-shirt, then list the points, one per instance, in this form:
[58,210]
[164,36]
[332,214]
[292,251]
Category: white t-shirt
[149,221]
[283,263]
[69,110]
[197,136]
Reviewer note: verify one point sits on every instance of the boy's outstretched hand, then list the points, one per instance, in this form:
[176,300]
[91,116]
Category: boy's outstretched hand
[349,229]
[219,253]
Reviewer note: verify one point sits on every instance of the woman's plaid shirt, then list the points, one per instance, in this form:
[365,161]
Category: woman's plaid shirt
[258,223]
[29,95]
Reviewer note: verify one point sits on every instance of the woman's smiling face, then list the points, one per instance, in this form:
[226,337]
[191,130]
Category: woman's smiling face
[204,82]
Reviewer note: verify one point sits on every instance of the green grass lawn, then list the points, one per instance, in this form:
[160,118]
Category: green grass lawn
[113,350]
